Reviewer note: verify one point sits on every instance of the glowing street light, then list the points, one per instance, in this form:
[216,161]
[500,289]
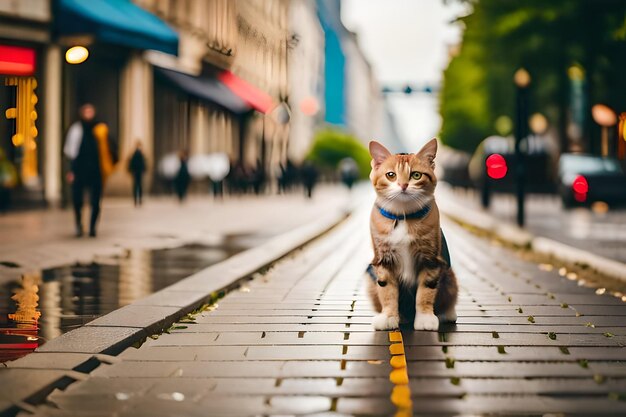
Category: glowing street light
[606,118]
[538,123]
[76,55]
[521,78]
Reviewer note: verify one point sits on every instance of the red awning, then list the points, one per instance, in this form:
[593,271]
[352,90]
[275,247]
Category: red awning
[257,99]
[16,60]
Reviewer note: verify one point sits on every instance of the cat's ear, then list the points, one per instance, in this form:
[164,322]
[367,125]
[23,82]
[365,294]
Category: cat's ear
[379,153]
[428,152]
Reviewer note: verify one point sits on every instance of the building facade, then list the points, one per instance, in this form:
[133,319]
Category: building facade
[26,130]
[252,79]
[352,95]
[241,45]
[306,77]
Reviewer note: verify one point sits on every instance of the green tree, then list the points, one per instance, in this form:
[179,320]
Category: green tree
[331,146]
[546,38]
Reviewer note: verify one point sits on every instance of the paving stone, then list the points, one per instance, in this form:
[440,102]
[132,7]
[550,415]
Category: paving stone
[512,353]
[609,369]
[365,406]
[538,405]
[316,353]
[435,387]
[130,386]
[522,319]
[192,388]
[511,370]
[591,299]
[598,353]
[547,387]
[333,369]
[20,384]
[51,360]
[49,411]
[598,310]
[273,338]
[513,339]
[537,311]
[150,407]
[93,339]
[299,404]
[273,327]
[208,369]
[535,328]
[291,313]
[109,402]
[130,369]
[150,318]
[190,353]
[170,298]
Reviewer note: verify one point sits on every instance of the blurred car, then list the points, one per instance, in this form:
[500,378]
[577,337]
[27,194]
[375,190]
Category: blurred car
[584,179]
[539,160]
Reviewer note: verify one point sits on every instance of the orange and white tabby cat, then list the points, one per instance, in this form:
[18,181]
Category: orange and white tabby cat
[411,273]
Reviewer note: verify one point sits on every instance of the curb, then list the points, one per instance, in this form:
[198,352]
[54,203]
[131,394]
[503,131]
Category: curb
[520,237]
[71,355]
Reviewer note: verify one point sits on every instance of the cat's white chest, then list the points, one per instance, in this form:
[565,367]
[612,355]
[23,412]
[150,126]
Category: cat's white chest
[400,242]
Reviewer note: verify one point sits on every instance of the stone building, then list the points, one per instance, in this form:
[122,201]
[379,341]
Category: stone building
[221,93]
[306,76]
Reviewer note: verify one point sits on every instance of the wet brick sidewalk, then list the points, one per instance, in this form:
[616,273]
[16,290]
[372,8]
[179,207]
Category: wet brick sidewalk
[297,340]
[41,239]
[596,231]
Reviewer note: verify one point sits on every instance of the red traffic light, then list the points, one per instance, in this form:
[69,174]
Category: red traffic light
[496,166]
[580,185]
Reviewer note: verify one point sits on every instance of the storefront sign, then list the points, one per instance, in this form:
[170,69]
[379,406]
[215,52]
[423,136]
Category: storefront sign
[17,60]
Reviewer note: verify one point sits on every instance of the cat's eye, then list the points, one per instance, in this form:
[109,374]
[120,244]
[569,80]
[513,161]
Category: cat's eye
[391,175]
[416,175]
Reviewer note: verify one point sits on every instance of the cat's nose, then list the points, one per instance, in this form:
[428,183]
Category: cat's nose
[404,186]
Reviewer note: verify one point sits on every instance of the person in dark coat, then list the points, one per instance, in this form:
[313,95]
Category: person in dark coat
[136,167]
[349,171]
[182,180]
[257,178]
[87,148]
[308,173]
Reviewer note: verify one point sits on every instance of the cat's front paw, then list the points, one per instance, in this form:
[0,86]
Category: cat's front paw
[426,322]
[384,322]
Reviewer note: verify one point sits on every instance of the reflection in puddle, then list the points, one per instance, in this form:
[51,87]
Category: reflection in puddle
[42,307]
[20,333]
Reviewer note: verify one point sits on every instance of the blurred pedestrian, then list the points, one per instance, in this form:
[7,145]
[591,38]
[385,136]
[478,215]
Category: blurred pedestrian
[236,179]
[8,181]
[287,176]
[349,171]
[309,177]
[88,149]
[257,178]
[182,180]
[137,167]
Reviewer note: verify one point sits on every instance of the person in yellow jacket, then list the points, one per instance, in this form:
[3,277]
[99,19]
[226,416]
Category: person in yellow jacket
[87,148]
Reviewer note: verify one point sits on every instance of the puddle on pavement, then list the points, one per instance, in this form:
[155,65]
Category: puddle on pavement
[43,306]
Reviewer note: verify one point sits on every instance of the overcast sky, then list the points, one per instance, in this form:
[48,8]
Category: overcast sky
[406,41]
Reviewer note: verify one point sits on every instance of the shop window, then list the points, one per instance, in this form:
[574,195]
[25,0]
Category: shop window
[18,128]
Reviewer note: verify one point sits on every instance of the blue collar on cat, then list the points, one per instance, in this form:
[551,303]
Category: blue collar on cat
[419,214]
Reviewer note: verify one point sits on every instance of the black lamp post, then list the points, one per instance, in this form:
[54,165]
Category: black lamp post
[522,82]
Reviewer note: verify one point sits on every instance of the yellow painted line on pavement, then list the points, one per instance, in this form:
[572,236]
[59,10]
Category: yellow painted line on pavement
[399,377]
